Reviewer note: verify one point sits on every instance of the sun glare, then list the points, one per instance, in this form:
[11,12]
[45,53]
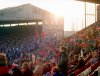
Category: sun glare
[72,10]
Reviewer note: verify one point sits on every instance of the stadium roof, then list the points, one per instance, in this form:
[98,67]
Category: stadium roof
[18,21]
[22,13]
[91,1]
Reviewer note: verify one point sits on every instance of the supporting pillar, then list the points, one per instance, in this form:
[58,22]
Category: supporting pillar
[27,23]
[85,14]
[10,25]
[36,26]
[95,13]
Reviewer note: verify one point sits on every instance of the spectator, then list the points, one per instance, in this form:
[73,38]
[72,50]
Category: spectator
[15,70]
[47,70]
[81,63]
[63,65]
[94,58]
[56,71]
[4,71]
[38,71]
[31,66]
[25,70]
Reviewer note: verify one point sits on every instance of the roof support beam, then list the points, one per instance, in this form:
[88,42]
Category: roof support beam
[91,1]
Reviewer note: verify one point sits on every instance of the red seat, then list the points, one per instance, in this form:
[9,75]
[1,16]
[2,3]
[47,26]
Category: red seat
[94,66]
[91,75]
[81,70]
[87,59]
[95,73]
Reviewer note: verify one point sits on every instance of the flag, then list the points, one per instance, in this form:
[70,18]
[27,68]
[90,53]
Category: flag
[42,35]
[37,35]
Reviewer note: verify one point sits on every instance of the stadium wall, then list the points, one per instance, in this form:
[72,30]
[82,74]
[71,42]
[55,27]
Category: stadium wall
[51,24]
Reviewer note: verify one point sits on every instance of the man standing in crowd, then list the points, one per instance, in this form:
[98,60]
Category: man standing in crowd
[63,64]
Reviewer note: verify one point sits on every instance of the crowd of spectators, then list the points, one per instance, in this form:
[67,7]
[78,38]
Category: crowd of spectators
[48,56]
[16,49]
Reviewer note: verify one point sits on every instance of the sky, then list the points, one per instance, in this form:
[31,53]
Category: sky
[73,11]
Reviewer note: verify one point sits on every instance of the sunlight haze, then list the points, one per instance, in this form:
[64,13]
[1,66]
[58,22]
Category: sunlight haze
[73,11]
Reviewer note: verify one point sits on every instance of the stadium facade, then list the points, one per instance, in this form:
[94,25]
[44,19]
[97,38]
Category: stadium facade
[28,14]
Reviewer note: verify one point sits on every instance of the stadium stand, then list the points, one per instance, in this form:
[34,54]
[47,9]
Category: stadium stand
[21,52]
